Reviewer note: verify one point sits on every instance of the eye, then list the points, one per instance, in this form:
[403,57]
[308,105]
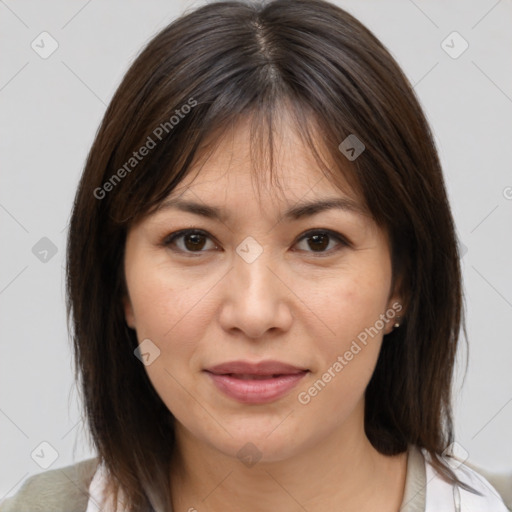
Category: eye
[190,241]
[193,240]
[319,240]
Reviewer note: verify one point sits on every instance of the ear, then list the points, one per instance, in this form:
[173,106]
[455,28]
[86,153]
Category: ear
[128,312]
[396,306]
[394,313]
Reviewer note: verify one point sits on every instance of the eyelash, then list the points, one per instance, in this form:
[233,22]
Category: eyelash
[171,238]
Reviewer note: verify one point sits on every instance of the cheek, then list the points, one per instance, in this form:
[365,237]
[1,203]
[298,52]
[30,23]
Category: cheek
[173,310]
[169,306]
[339,383]
[169,311]
[351,311]
[353,302]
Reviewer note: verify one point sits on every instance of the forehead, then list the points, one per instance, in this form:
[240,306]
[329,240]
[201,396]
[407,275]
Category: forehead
[232,168]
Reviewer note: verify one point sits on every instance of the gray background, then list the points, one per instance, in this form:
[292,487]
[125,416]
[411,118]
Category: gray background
[51,109]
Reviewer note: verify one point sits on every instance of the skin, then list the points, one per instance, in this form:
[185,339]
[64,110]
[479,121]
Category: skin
[297,302]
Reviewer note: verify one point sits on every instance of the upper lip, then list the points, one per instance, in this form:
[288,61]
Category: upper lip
[259,368]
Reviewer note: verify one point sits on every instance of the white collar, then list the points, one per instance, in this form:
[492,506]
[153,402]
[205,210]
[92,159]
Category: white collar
[444,497]
[97,501]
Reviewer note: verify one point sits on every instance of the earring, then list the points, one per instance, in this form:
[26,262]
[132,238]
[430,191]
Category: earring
[397,324]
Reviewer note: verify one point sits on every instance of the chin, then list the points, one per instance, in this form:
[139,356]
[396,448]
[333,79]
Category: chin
[253,445]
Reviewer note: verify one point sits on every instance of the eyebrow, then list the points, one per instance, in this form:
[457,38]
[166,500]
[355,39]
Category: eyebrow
[296,212]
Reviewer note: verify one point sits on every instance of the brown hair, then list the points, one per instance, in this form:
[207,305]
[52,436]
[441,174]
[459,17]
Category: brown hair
[227,60]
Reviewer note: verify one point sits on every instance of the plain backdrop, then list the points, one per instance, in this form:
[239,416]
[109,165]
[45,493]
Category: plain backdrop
[51,108]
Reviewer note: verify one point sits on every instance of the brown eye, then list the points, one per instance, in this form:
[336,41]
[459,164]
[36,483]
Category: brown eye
[193,240]
[318,241]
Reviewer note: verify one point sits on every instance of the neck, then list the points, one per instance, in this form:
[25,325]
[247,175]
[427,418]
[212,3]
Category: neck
[341,472]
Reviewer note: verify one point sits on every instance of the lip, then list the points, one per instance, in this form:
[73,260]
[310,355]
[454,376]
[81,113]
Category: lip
[272,380]
[268,367]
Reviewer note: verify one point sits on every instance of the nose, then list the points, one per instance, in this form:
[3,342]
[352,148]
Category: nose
[255,298]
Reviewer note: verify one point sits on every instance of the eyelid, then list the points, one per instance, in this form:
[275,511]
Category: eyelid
[342,240]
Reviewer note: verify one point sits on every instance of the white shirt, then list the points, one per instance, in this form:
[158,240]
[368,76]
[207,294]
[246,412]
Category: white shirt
[440,495]
[443,497]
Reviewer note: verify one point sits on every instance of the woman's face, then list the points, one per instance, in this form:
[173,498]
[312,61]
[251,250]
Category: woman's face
[253,286]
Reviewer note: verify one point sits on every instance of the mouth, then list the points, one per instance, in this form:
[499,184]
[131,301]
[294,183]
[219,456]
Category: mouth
[266,368]
[255,383]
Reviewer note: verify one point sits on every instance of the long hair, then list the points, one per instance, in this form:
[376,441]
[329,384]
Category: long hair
[198,77]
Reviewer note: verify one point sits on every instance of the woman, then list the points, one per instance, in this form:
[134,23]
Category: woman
[263,279]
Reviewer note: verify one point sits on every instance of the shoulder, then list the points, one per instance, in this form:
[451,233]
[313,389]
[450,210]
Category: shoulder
[440,492]
[62,489]
[502,482]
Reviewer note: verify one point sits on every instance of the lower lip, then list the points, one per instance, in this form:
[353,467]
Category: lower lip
[259,391]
